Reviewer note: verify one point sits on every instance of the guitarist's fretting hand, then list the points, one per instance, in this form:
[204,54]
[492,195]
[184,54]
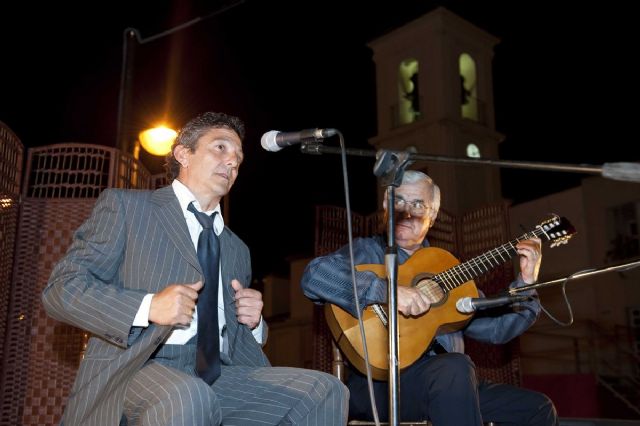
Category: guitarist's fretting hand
[530,252]
[412,302]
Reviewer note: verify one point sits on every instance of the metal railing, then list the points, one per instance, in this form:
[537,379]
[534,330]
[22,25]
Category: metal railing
[75,170]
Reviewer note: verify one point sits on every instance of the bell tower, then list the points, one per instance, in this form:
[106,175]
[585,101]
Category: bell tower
[435,93]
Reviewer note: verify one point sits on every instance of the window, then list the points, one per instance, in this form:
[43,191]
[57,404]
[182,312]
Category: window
[468,87]
[408,92]
[473,151]
[624,241]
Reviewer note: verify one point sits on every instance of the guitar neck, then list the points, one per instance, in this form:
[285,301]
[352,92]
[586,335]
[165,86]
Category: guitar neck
[472,268]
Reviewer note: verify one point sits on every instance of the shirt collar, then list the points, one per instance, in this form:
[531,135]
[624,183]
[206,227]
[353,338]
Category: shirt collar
[185,197]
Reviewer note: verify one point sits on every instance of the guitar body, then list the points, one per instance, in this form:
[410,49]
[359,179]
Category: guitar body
[415,333]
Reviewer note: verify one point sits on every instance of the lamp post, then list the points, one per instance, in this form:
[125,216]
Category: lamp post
[131,39]
[130,35]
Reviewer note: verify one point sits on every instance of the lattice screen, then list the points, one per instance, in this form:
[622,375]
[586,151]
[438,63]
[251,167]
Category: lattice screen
[11,156]
[11,150]
[42,354]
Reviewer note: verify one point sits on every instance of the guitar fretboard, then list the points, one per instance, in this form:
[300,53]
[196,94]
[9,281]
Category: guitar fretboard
[557,230]
[474,267]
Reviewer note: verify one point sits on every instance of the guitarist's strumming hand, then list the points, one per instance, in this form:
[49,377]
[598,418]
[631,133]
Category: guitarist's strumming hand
[530,252]
[412,302]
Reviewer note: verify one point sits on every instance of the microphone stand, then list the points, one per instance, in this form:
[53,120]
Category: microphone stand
[621,267]
[390,169]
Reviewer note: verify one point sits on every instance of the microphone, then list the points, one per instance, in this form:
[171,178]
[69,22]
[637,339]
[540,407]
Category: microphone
[467,305]
[274,140]
[629,172]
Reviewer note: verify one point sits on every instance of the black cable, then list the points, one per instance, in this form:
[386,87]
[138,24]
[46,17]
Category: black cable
[345,176]
[563,287]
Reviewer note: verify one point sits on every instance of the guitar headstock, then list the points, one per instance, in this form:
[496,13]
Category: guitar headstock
[557,229]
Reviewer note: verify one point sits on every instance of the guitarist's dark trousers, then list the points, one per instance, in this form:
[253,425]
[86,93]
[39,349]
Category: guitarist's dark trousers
[443,388]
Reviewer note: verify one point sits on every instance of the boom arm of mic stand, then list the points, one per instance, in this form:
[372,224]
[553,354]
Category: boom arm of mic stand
[316,148]
[622,267]
[616,171]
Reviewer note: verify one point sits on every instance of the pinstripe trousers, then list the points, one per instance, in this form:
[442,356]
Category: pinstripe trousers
[166,391]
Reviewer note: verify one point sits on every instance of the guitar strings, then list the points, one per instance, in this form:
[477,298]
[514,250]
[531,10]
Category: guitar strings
[466,271]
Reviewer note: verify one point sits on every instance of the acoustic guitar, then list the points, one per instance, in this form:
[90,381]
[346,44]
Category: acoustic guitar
[445,280]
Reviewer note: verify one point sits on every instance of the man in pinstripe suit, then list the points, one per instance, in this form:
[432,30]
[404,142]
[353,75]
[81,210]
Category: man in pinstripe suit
[132,278]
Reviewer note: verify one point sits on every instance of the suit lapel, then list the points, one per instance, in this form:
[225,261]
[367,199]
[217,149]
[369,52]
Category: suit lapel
[171,218]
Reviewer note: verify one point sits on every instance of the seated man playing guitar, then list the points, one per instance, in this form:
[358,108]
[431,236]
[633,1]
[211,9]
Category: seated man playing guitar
[441,385]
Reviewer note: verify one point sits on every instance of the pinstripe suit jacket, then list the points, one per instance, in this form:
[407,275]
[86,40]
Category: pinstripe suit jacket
[134,243]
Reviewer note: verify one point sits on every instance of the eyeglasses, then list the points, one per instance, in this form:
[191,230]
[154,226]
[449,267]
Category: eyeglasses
[416,208]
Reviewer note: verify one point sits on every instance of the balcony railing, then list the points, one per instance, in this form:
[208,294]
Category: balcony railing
[81,171]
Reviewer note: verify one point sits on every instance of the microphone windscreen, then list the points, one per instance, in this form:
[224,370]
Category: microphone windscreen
[622,171]
[268,141]
[465,306]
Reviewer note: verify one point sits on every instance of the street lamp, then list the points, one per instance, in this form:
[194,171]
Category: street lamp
[157,140]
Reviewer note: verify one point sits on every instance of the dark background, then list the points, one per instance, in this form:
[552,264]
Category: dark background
[564,80]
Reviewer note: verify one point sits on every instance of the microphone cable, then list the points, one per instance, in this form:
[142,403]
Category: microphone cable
[345,176]
[563,289]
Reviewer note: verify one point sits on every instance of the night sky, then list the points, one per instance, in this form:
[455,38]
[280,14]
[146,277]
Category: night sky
[563,80]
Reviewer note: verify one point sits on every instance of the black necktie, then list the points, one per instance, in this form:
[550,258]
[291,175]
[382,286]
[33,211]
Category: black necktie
[208,350]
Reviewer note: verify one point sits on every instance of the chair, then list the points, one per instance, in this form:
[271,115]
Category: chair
[500,364]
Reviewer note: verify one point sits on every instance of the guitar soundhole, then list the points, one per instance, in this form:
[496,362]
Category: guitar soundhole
[431,289]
